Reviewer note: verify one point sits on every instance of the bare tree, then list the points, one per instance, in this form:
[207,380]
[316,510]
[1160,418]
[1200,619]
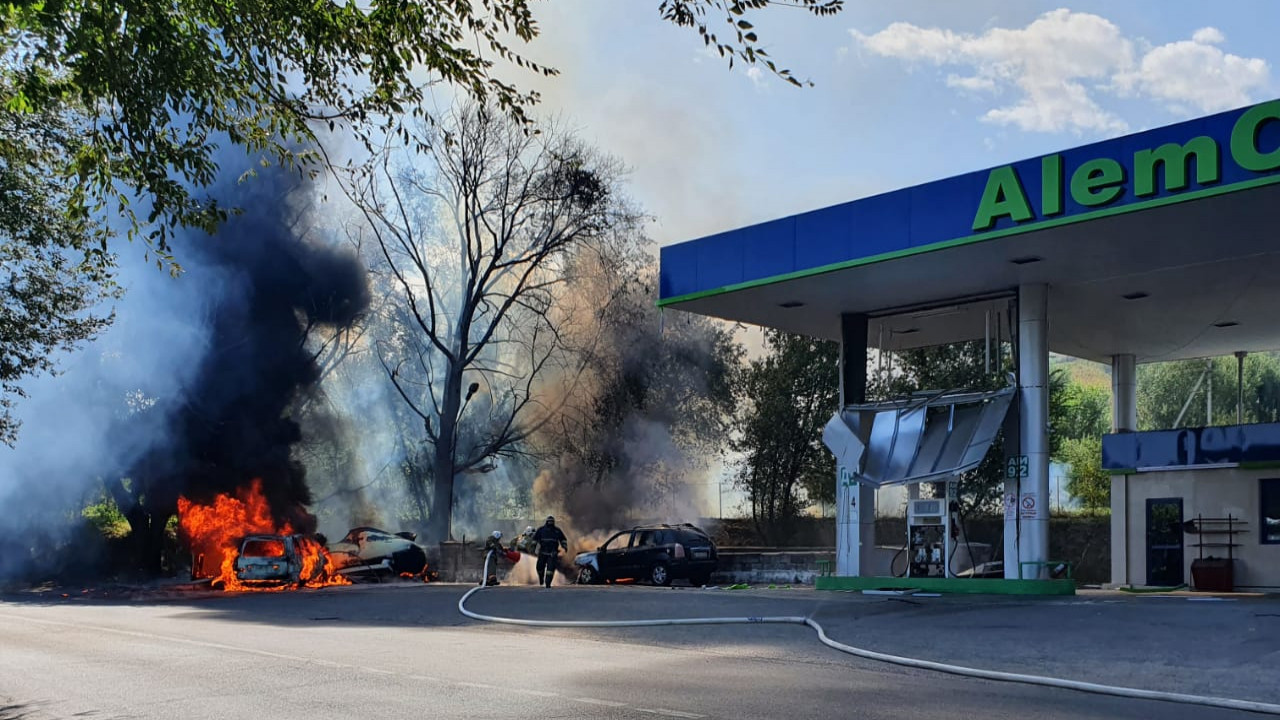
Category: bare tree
[472,242]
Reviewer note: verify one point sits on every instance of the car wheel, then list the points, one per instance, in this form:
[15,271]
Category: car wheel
[588,576]
[700,579]
[660,574]
[411,560]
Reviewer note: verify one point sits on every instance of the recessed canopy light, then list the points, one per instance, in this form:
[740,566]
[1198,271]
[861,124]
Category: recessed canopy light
[908,331]
[791,304]
[1026,260]
[1226,324]
[1135,295]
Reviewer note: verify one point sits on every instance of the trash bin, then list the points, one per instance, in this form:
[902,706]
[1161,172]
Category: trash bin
[1213,574]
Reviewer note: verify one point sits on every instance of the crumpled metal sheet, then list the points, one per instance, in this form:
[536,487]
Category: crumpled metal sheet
[928,437]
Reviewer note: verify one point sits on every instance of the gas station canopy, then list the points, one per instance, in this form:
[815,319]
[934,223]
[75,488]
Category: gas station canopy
[1161,244]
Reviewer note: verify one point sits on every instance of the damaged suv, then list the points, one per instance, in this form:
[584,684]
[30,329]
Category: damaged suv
[654,553]
[281,559]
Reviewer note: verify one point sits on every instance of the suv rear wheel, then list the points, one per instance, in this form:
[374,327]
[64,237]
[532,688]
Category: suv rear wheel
[660,574]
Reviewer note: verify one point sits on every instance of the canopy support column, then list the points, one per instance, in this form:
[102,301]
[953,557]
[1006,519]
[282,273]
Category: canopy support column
[1027,531]
[855,502]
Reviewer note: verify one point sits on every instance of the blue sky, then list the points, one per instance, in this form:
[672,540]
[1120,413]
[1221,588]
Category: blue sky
[905,92]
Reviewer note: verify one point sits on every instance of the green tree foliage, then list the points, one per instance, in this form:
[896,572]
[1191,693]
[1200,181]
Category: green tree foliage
[785,398]
[1079,415]
[147,94]
[1164,388]
[743,42]
[1076,411]
[1086,480]
[54,275]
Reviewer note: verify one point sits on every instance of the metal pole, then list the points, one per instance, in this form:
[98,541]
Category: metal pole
[1240,386]
[986,339]
[1208,397]
[1191,396]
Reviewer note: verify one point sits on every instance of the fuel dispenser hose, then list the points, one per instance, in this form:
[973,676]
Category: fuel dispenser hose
[1043,681]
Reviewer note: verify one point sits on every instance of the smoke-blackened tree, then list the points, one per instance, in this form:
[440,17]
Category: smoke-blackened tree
[786,398]
[651,412]
[474,242]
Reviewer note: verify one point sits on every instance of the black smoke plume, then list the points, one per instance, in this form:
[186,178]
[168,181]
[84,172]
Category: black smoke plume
[234,424]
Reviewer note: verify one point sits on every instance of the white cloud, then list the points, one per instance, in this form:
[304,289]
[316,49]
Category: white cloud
[1196,73]
[1209,36]
[1058,67]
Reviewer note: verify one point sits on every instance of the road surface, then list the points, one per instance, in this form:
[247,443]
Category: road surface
[405,652]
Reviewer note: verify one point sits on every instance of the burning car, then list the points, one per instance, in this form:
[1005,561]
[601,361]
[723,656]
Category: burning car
[281,560]
[370,550]
[656,553]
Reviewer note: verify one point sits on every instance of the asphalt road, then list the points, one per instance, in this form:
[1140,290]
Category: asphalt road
[404,651]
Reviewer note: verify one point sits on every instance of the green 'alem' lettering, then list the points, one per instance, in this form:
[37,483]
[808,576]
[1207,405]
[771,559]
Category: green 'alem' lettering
[1003,197]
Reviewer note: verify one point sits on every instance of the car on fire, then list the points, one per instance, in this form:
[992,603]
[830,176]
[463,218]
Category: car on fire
[368,550]
[280,560]
[653,553]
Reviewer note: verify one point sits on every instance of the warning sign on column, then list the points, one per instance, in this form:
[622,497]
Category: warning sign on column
[1010,506]
[1029,506]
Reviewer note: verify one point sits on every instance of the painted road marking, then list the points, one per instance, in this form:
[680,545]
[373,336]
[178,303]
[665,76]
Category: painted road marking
[668,713]
[594,701]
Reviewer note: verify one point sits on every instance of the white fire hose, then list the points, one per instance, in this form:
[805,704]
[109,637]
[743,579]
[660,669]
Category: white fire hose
[1098,689]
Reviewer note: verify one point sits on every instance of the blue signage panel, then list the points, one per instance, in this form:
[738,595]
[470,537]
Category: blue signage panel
[1189,447]
[1229,151]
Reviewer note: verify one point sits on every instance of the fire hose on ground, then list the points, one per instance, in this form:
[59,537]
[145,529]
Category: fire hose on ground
[1040,680]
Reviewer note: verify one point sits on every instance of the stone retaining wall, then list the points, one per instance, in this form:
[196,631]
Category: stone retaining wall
[770,566]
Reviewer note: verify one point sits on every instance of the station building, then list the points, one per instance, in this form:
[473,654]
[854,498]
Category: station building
[1151,247]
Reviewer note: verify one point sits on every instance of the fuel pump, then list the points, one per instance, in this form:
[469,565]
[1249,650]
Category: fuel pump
[931,534]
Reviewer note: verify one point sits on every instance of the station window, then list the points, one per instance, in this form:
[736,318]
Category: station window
[1269,500]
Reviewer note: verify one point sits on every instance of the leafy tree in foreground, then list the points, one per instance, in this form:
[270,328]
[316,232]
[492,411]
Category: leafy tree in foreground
[53,276]
[149,93]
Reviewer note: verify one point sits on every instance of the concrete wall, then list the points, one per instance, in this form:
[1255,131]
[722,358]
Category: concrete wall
[1210,493]
[764,567]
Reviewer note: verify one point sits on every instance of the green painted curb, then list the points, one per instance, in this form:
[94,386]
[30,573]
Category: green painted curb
[973,586]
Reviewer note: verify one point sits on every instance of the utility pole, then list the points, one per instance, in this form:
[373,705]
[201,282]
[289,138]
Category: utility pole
[1208,397]
[1240,386]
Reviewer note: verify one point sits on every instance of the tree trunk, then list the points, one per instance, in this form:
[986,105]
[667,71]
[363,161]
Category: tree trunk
[439,527]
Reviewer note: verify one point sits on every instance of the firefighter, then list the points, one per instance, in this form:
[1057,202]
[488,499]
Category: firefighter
[550,542]
[492,551]
[525,543]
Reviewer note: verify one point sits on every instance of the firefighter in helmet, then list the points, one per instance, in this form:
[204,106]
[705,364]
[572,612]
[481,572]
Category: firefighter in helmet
[492,551]
[550,542]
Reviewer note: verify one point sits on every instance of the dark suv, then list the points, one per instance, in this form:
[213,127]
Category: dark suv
[657,553]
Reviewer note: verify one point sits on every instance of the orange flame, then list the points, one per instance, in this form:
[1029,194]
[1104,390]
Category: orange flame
[214,532]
